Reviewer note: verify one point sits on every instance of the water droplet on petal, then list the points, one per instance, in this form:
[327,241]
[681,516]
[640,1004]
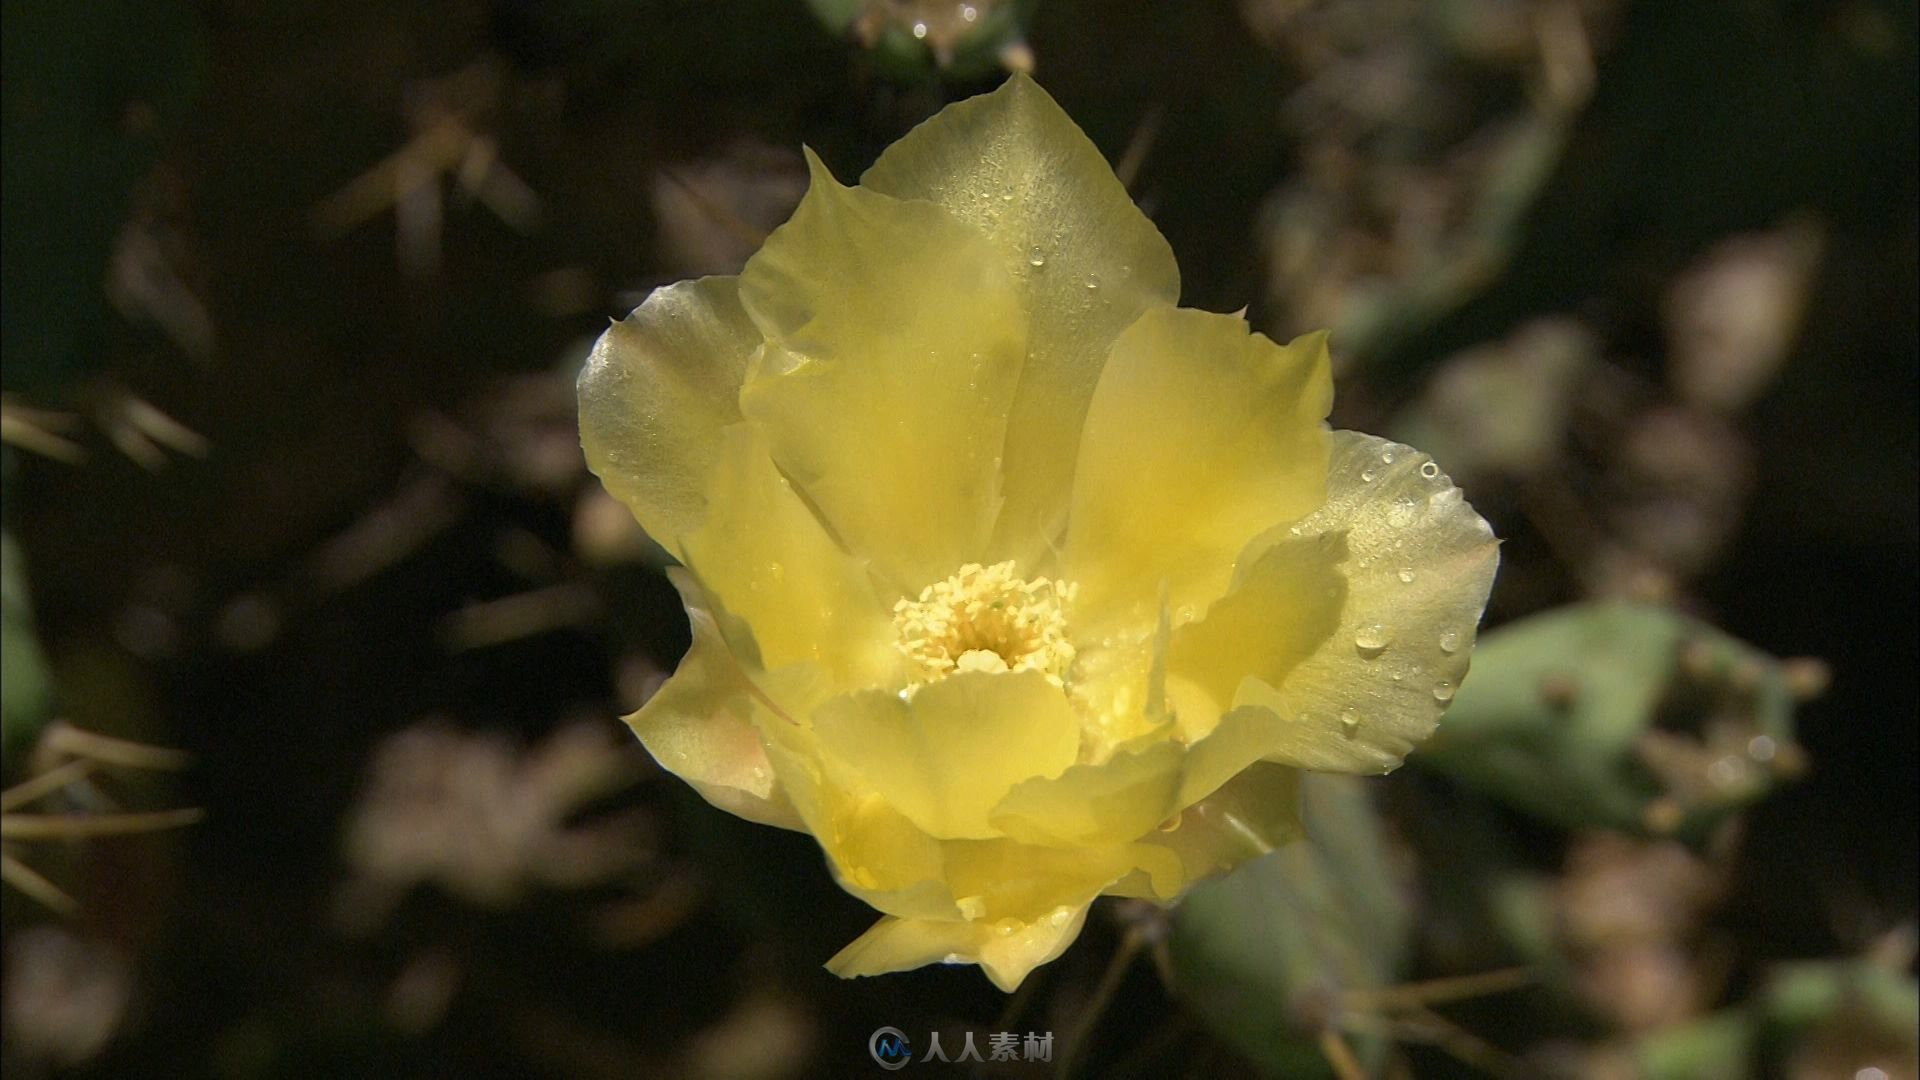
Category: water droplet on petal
[1093,282]
[1036,258]
[1443,691]
[1406,575]
[1366,476]
[1429,470]
[1386,457]
[1370,640]
[1349,721]
[1450,641]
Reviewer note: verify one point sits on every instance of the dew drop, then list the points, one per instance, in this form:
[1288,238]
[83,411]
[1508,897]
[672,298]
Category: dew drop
[920,30]
[1386,457]
[1406,575]
[1349,721]
[1443,691]
[1449,641]
[1366,476]
[1430,470]
[1371,640]
[1092,282]
[1036,257]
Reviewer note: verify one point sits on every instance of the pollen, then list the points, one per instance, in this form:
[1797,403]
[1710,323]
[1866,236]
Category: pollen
[986,618]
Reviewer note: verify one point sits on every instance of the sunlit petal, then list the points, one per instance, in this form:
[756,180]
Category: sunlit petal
[1015,167]
[655,394]
[766,557]
[1007,952]
[895,340]
[946,757]
[1201,435]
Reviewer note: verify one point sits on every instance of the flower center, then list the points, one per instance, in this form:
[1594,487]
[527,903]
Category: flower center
[984,618]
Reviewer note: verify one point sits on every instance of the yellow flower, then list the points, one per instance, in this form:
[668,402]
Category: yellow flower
[1011,582]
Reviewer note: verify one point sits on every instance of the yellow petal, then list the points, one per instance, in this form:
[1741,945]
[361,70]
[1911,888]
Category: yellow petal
[1419,566]
[1283,608]
[699,726]
[874,851]
[1252,814]
[654,395]
[1279,610]
[1006,951]
[1201,436]
[1110,803]
[952,752]
[1119,687]
[768,561]
[895,339]
[1013,165]
[1005,879]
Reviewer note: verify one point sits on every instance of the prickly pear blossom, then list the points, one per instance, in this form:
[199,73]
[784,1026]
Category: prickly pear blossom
[1012,582]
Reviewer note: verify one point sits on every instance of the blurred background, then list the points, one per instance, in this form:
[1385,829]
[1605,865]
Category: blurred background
[317,630]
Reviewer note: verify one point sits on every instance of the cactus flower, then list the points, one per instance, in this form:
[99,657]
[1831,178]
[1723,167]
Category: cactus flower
[1012,582]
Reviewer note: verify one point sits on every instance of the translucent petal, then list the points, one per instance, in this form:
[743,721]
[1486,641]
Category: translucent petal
[763,554]
[700,726]
[654,395]
[895,340]
[1007,952]
[1282,606]
[1252,814]
[1013,165]
[1006,879]
[1419,566]
[1200,437]
[1109,803]
[946,757]
[875,852]
[1118,686]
